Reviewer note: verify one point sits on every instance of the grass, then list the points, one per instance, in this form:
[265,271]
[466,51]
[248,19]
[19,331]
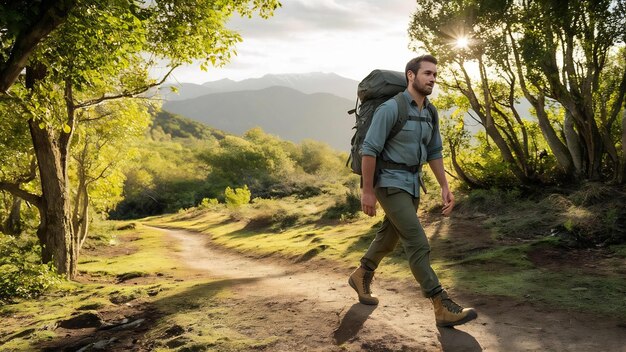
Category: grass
[140,255]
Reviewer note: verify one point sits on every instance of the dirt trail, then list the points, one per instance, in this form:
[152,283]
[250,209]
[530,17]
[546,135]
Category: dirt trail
[311,308]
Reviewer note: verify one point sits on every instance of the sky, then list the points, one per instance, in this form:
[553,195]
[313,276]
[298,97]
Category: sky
[346,37]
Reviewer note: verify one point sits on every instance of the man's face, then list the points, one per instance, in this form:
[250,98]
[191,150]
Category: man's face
[424,80]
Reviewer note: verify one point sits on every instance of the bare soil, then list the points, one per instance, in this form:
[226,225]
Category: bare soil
[309,306]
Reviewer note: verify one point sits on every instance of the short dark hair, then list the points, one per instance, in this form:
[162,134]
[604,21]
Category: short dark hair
[414,64]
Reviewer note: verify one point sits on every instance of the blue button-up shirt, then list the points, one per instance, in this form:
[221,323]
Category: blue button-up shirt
[416,144]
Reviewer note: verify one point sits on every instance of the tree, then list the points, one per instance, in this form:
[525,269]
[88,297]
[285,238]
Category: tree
[100,51]
[256,159]
[17,171]
[100,150]
[557,55]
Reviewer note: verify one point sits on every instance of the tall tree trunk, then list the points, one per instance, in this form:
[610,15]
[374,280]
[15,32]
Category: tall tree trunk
[622,177]
[466,178]
[573,142]
[51,149]
[55,228]
[13,224]
[83,231]
[559,149]
[484,112]
[80,217]
[594,147]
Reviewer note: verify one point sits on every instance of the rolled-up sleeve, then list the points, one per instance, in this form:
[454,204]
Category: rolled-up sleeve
[383,120]
[435,146]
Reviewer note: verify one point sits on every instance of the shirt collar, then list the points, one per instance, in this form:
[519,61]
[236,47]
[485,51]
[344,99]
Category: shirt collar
[409,98]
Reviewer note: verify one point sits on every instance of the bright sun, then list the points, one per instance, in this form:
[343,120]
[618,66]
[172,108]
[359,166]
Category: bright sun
[462,43]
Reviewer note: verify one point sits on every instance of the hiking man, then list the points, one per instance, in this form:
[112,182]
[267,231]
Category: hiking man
[391,171]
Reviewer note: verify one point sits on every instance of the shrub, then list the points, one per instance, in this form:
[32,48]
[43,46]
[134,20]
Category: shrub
[21,273]
[346,208]
[238,196]
[209,203]
[277,220]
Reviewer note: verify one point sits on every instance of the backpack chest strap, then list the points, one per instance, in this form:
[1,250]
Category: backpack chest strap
[420,118]
[391,165]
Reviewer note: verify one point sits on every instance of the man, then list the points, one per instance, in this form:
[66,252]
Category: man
[391,171]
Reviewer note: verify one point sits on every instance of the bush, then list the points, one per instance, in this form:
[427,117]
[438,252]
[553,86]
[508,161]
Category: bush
[346,208]
[276,220]
[21,274]
[238,196]
[209,203]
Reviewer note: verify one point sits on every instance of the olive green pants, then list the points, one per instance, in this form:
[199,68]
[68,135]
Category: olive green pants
[401,223]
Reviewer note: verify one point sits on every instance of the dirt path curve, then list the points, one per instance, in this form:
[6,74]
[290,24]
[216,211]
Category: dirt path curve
[310,307]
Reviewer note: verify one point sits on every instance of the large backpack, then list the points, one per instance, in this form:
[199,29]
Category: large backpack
[375,89]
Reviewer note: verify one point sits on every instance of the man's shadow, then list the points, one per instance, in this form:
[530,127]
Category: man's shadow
[352,322]
[453,340]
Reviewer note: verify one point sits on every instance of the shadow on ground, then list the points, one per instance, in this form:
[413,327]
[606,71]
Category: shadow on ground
[352,322]
[455,340]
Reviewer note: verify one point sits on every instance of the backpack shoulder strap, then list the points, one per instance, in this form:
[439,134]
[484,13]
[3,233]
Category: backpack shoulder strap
[435,115]
[403,115]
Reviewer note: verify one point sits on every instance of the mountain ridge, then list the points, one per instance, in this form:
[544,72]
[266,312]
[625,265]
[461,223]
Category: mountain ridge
[312,82]
[283,111]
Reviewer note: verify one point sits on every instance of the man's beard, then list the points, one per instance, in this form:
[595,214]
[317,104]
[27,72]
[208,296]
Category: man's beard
[424,90]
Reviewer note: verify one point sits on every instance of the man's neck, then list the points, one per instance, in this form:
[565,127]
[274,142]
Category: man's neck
[417,97]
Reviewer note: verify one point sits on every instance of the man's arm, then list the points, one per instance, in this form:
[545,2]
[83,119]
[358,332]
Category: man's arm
[368,198]
[436,165]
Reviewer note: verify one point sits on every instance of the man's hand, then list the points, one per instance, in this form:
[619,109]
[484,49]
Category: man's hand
[440,174]
[448,201]
[368,202]
[368,198]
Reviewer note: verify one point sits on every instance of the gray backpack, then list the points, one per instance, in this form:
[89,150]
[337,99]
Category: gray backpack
[375,89]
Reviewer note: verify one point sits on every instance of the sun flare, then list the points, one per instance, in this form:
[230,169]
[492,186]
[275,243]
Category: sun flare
[462,42]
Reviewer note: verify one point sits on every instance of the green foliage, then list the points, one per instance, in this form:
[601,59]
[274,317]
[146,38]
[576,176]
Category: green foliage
[592,193]
[318,158]
[591,217]
[256,159]
[271,216]
[272,167]
[595,217]
[96,53]
[21,273]
[209,203]
[101,150]
[538,52]
[347,208]
[490,200]
[237,197]
[176,126]
[159,180]
[164,177]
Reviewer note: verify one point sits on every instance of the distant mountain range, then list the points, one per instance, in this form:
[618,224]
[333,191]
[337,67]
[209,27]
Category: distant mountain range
[293,107]
[309,83]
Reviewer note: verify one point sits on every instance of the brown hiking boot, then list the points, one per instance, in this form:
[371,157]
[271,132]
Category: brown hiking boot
[448,313]
[360,280]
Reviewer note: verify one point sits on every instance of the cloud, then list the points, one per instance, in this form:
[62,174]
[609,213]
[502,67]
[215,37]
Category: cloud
[297,17]
[346,37]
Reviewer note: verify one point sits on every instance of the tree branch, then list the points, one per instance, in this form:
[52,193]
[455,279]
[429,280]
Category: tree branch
[14,189]
[51,15]
[124,94]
